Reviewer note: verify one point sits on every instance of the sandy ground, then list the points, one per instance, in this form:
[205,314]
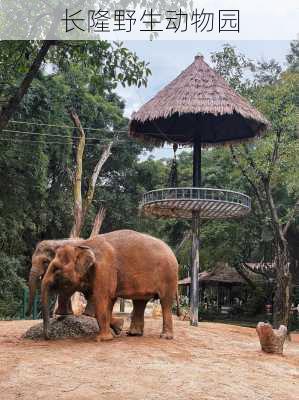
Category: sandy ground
[213,361]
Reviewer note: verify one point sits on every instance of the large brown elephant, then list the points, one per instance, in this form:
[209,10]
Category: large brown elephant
[122,263]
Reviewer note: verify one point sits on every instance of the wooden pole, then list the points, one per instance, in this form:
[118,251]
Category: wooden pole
[194,296]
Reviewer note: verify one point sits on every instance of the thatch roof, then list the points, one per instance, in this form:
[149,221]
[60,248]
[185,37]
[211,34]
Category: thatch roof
[198,102]
[222,273]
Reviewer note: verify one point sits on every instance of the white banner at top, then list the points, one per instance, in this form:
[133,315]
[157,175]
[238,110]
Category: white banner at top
[145,19]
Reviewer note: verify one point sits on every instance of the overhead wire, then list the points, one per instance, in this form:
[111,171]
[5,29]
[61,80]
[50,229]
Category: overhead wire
[66,126]
[117,143]
[56,135]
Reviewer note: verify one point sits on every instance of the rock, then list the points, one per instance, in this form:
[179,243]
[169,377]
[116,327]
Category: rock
[70,326]
[271,340]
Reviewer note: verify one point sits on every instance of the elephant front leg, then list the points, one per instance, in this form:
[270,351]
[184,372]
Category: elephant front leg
[64,305]
[137,318]
[103,316]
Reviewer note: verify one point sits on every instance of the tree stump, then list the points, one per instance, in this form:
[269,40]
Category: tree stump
[271,340]
[157,310]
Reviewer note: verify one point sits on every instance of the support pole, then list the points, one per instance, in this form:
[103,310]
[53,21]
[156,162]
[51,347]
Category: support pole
[197,162]
[195,268]
[194,296]
[122,305]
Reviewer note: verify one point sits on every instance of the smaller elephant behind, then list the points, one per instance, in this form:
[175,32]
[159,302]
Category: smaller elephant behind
[123,263]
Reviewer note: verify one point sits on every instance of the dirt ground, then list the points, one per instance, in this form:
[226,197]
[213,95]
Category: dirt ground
[213,361]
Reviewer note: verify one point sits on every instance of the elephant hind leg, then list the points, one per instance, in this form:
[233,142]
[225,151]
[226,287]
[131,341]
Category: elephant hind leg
[137,318]
[116,323]
[167,330]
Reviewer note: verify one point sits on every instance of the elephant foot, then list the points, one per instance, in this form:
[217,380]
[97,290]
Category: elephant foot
[166,335]
[104,337]
[135,332]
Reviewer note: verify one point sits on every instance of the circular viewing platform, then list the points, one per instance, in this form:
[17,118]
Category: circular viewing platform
[181,202]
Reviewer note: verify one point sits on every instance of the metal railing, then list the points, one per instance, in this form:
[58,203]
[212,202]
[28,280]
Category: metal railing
[191,193]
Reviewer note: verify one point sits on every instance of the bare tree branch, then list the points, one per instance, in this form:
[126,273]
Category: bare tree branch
[93,180]
[274,156]
[81,207]
[98,222]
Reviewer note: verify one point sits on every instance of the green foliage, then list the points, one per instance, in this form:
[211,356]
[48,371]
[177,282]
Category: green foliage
[36,169]
[293,56]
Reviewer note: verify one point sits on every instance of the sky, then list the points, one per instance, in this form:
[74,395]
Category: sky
[168,58]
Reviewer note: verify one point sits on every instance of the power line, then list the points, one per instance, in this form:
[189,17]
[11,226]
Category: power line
[54,135]
[65,126]
[30,142]
[42,141]
[116,144]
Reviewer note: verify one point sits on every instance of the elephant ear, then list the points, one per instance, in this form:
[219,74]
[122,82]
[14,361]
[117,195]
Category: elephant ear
[85,258]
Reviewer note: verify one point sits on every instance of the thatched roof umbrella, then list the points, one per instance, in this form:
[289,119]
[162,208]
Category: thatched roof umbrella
[198,103]
[199,108]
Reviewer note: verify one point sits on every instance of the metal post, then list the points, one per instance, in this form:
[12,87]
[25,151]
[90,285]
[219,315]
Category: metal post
[122,305]
[194,296]
[197,161]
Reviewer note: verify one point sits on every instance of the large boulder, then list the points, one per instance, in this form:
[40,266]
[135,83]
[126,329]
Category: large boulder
[70,326]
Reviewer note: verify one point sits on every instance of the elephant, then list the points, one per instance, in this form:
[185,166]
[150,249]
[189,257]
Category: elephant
[122,263]
[41,258]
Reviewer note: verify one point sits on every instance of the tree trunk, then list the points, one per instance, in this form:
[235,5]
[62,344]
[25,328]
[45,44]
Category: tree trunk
[77,188]
[9,109]
[282,297]
[271,340]
[81,206]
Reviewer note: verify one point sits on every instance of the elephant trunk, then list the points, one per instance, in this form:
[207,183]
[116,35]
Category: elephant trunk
[45,308]
[33,278]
